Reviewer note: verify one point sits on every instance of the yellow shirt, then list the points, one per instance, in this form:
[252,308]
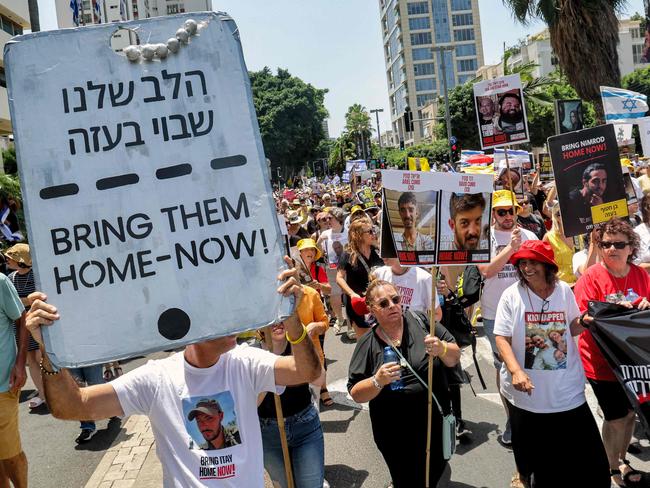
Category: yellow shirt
[311,309]
[563,257]
[644,183]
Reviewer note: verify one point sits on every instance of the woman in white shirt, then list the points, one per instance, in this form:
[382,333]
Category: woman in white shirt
[546,393]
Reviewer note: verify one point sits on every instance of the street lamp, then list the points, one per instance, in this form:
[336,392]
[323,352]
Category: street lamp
[376,111]
[443,67]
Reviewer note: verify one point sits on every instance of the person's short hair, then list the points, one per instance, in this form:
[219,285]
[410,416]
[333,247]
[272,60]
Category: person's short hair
[464,202]
[406,197]
[586,174]
[506,95]
[619,226]
[374,284]
[337,213]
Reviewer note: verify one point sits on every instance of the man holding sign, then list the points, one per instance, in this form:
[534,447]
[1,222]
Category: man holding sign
[170,393]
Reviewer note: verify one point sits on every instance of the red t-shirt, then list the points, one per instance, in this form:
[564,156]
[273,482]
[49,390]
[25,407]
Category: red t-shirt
[599,284]
[318,273]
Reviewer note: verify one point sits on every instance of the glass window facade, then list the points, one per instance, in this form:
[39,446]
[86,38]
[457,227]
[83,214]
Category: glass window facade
[449,65]
[417,8]
[462,19]
[462,79]
[421,53]
[423,69]
[457,5]
[464,35]
[422,100]
[441,21]
[425,84]
[467,65]
[419,23]
[466,50]
[421,38]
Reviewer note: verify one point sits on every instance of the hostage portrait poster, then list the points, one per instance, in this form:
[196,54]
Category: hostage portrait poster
[588,177]
[500,112]
[436,218]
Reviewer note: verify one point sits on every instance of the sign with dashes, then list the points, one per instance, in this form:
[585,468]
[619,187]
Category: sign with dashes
[147,195]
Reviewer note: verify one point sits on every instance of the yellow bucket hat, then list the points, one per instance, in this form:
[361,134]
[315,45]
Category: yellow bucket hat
[504,198]
[309,244]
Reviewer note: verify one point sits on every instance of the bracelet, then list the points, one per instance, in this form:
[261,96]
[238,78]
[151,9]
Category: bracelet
[376,383]
[444,349]
[300,339]
[45,371]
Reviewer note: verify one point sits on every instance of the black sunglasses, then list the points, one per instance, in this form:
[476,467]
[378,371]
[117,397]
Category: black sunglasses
[385,303]
[617,244]
[502,212]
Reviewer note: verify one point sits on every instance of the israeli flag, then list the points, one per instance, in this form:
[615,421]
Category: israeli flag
[74,5]
[623,106]
[98,10]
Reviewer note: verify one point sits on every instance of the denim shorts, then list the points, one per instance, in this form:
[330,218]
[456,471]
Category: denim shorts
[306,448]
[488,327]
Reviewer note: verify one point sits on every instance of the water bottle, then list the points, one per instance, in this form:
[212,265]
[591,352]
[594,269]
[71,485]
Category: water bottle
[631,295]
[390,356]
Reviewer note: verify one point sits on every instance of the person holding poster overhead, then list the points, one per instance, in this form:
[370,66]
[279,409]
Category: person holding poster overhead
[168,390]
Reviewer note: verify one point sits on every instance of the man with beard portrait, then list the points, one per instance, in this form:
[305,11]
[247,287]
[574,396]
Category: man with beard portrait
[511,115]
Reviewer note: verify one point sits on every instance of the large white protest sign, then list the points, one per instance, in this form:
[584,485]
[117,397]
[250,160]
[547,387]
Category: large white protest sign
[147,195]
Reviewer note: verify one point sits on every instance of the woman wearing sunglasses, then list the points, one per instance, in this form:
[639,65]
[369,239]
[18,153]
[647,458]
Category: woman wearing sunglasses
[542,379]
[353,274]
[399,417]
[614,279]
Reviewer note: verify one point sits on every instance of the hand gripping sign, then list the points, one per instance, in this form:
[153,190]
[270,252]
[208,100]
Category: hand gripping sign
[146,191]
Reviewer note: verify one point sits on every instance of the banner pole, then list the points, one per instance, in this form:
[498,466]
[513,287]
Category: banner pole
[280,418]
[432,329]
[512,189]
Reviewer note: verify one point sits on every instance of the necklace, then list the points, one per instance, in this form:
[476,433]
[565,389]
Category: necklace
[394,342]
[545,305]
[616,278]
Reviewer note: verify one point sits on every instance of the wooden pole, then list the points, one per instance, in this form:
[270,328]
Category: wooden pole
[512,188]
[280,418]
[432,330]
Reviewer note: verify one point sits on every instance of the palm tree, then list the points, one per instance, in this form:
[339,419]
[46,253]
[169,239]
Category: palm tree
[359,127]
[584,36]
[34,20]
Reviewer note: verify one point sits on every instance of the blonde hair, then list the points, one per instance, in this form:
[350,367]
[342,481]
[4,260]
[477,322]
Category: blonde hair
[372,287]
[355,238]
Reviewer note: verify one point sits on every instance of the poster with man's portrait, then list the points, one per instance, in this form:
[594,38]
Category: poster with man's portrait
[435,218]
[588,178]
[500,112]
[510,175]
[568,116]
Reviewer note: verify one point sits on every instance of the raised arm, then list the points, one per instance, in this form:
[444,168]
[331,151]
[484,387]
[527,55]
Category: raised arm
[65,398]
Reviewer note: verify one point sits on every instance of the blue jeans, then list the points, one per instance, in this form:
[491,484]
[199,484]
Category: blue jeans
[90,375]
[306,449]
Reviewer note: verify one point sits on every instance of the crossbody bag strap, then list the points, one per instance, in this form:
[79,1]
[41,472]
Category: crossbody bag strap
[403,361]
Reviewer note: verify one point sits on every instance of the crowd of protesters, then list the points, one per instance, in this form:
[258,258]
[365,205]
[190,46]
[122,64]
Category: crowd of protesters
[532,308]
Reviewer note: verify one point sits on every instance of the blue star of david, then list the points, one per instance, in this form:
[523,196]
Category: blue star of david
[629,104]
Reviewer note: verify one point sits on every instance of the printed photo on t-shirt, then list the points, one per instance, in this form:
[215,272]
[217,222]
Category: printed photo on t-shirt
[546,341]
[211,422]
[334,248]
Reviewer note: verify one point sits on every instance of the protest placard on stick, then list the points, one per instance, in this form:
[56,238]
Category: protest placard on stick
[588,178]
[147,195]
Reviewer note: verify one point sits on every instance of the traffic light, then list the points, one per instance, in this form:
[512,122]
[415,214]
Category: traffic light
[401,144]
[455,151]
[408,119]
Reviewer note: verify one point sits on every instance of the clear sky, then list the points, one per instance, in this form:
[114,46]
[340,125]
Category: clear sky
[336,44]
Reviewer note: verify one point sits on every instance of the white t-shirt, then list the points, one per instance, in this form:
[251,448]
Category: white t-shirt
[414,287]
[494,287]
[552,361]
[644,247]
[333,245]
[167,391]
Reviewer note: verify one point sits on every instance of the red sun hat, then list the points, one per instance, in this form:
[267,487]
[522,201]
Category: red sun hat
[359,306]
[537,250]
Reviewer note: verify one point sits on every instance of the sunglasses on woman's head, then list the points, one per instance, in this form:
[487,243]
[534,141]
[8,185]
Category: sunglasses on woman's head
[503,212]
[617,244]
[385,303]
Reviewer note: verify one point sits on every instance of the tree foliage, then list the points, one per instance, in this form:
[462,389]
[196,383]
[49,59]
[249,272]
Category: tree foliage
[290,114]
[9,161]
[584,37]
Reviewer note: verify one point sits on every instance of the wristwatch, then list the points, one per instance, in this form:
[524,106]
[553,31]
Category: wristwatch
[376,383]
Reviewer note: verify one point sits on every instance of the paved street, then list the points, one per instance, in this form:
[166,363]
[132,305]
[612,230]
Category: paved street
[120,455]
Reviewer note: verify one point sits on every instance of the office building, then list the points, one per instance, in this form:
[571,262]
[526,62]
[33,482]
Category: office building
[411,29]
